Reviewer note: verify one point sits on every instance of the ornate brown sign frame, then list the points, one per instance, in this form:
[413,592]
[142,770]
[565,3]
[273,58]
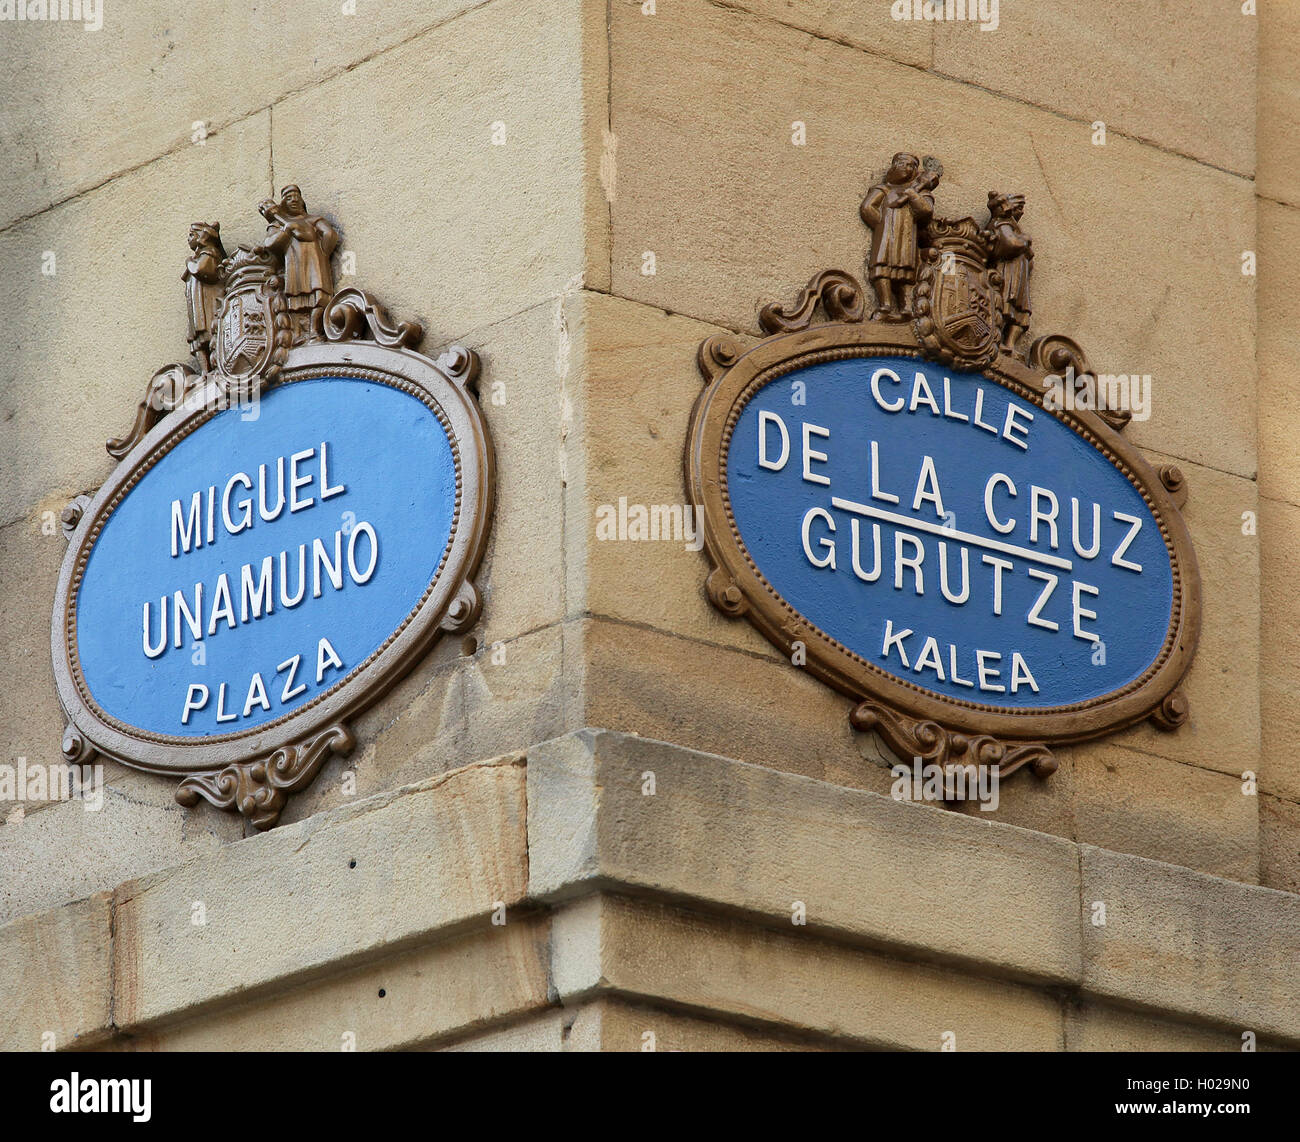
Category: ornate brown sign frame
[914,721]
[254,771]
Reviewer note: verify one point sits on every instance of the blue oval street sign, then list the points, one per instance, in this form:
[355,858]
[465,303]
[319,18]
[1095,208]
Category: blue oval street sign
[254,575]
[297,515]
[954,535]
[265,558]
[986,573]
[938,516]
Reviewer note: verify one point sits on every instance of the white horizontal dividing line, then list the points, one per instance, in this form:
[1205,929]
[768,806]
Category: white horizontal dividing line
[948,533]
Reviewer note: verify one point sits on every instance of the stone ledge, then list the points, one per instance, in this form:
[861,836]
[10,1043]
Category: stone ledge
[790,981]
[680,901]
[614,973]
[754,840]
[615,1023]
[727,836]
[1180,941]
[55,977]
[461,987]
[360,881]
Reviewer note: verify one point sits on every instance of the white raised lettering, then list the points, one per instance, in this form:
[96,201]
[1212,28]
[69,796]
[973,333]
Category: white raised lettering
[893,638]
[764,419]
[1033,618]
[827,545]
[1135,525]
[897,406]
[810,454]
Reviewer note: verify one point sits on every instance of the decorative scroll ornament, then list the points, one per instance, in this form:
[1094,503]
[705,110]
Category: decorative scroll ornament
[354,313]
[270,338]
[259,789]
[954,292]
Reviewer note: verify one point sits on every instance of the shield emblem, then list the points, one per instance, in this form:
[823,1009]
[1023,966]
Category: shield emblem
[964,311]
[957,309]
[252,316]
[243,340]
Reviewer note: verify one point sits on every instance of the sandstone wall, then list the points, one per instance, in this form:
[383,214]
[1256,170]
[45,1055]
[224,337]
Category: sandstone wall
[671,134]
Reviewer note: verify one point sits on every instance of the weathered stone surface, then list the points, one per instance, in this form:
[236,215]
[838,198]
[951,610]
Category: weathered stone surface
[1277,133]
[865,26]
[1139,72]
[65,852]
[452,710]
[56,977]
[1044,804]
[1182,942]
[1279,330]
[172,68]
[636,387]
[31,721]
[1165,810]
[756,840]
[1100,1027]
[401,1001]
[78,347]
[1222,731]
[748,706]
[543,1032]
[522,398]
[517,693]
[614,1024]
[358,881]
[456,231]
[1279,843]
[736,215]
[790,978]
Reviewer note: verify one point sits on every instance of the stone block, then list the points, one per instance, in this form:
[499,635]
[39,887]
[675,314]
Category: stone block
[1043,804]
[31,720]
[1279,327]
[1184,943]
[448,714]
[57,977]
[614,1024]
[865,26]
[521,394]
[753,840]
[1165,810]
[399,1002]
[1100,1027]
[67,851]
[1222,731]
[790,979]
[179,74]
[355,882]
[1141,73]
[79,345]
[543,1032]
[1279,843]
[453,229]
[1277,131]
[637,386]
[745,705]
